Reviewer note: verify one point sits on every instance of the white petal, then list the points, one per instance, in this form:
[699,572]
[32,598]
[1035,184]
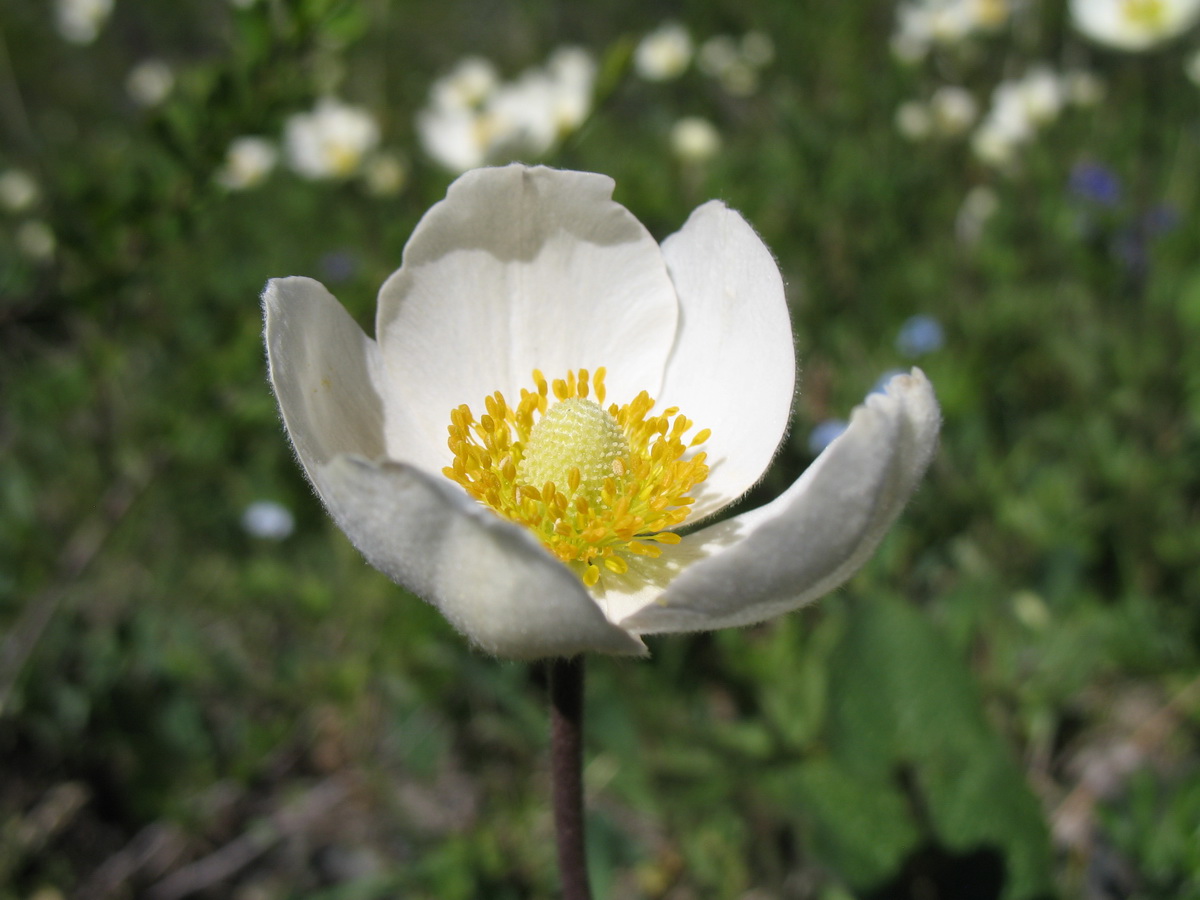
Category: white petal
[1110,22]
[818,533]
[327,374]
[521,268]
[489,578]
[733,368]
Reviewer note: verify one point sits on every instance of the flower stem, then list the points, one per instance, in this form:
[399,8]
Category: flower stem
[566,769]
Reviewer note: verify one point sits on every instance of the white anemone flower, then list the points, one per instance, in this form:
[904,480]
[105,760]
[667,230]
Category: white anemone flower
[664,54]
[695,140]
[1133,24]
[149,82]
[538,521]
[248,161]
[331,141]
[80,21]
[472,118]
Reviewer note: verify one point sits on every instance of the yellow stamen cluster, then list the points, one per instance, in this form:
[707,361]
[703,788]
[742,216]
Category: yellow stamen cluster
[612,480]
[1147,13]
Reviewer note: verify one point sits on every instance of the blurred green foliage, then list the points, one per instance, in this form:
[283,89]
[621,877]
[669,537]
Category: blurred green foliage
[1022,650]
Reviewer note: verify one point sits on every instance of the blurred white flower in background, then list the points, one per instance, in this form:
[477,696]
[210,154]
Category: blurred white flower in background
[331,141]
[913,120]
[980,204]
[473,118]
[468,85]
[950,112]
[36,240]
[735,63]
[149,82]
[1083,88]
[268,520]
[664,53]
[695,140]
[1020,107]
[18,190]
[80,21]
[921,24]
[953,109]
[1041,93]
[385,174]
[1133,24]
[248,161]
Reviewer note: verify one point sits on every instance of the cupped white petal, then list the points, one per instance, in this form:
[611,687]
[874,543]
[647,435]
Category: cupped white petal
[733,366]
[489,578]
[818,533]
[327,374]
[520,268]
[1133,25]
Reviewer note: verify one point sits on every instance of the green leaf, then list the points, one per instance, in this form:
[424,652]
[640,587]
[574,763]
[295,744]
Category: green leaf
[902,702]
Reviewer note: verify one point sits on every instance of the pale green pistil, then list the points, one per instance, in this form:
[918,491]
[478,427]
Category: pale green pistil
[575,434]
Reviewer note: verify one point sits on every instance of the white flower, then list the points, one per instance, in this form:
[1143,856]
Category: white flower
[467,86]
[149,82]
[736,64]
[695,140]
[572,74]
[330,141]
[954,110]
[473,118]
[994,145]
[80,21]
[913,120]
[980,204]
[18,190]
[1133,24]
[1019,108]
[521,269]
[920,24]
[385,174]
[36,240]
[950,112]
[717,54]
[757,48]
[664,53]
[1042,93]
[1083,88]
[247,162]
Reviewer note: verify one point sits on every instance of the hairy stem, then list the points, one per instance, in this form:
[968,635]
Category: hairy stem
[566,768]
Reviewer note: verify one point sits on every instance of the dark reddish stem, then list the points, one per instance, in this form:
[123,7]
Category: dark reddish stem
[566,769]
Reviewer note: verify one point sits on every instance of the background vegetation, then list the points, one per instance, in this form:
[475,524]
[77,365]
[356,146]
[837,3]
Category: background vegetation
[1003,704]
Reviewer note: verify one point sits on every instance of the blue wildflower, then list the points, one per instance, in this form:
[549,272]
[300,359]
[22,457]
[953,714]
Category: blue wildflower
[825,434]
[268,520]
[919,335]
[1095,183]
[338,266]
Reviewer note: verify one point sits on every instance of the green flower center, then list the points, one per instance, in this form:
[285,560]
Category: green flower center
[575,434]
[1147,13]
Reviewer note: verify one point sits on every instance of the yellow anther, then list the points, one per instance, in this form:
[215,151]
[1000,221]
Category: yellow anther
[598,485]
